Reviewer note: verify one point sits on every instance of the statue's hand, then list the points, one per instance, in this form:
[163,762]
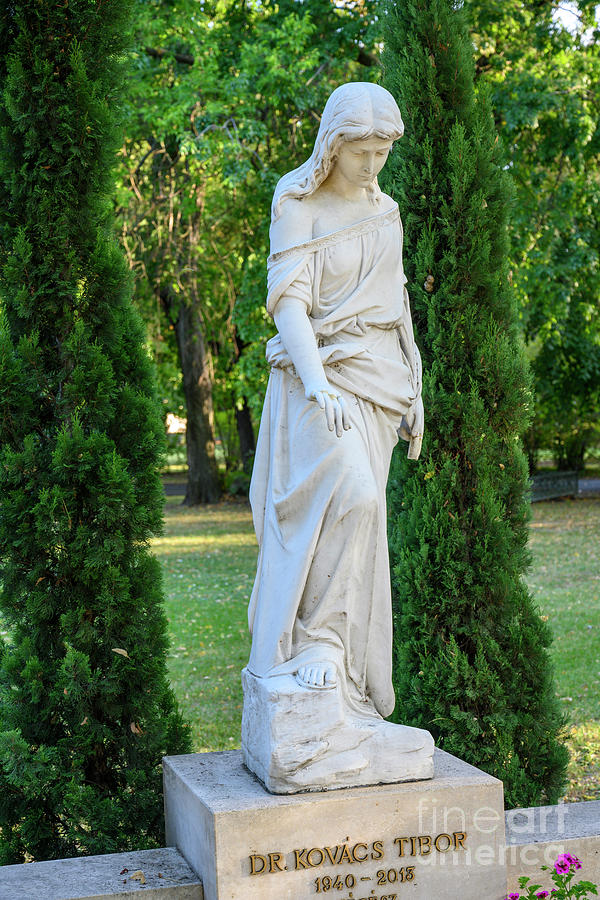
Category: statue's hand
[334,406]
[414,421]
[416,429]
[413,432]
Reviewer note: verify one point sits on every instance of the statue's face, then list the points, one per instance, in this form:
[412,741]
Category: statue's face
[360,162]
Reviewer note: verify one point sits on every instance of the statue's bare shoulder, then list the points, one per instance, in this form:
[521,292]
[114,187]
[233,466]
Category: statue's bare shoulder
[301,220]
[330,215]
[293,226]
[386,203]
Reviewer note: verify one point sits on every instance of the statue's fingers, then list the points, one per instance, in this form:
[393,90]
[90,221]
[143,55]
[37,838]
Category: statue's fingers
[345,414]
[329,413]
[320,398]
[337,411]
[419,419]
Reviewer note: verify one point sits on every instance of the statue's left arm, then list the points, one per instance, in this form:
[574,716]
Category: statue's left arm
[414,421]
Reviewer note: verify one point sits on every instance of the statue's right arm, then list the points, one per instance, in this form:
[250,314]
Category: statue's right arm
[293,227]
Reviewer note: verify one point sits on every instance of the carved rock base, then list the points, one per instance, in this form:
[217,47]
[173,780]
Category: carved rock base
[297,739]
[439,839]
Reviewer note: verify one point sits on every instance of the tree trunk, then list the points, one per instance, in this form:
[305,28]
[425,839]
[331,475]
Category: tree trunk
[245,435]
[574,454]
[202,480]
[243,419]
[530,445]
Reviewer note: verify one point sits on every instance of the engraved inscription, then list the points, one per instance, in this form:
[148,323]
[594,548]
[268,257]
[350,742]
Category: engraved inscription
[392,875]
[361,852]
[327,883]
[421,844]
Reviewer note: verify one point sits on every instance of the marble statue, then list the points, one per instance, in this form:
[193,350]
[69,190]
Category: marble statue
[345,383]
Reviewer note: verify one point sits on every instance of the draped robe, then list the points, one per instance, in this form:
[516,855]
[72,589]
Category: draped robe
[322,588]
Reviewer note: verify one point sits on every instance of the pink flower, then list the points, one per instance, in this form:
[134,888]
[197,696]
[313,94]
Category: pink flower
[562,865]
[542,894]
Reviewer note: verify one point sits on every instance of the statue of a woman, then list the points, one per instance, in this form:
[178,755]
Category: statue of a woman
[345,382]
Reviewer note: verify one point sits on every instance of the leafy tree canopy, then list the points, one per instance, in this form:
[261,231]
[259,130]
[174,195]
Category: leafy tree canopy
[225,99]
[544,78]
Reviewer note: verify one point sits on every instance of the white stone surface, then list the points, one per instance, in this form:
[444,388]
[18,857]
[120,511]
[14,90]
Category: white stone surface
[345,383]
[537,835]
[296,739]
[165,876]
[226,823]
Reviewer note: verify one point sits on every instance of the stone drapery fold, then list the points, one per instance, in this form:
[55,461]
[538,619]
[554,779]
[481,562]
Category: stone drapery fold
[322,589]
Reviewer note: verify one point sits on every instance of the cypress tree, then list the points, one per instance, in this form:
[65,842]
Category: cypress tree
[471,658]
[86,710]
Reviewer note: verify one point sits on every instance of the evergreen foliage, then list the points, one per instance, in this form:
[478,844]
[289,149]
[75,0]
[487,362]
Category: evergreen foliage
[471,650]
[86,709]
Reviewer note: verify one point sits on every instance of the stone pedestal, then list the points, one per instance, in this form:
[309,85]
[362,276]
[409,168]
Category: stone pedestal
[427,840]
[298,739]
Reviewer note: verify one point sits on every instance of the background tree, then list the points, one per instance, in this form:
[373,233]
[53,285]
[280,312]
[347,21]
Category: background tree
[204,149]
[86,710]
[224,100]
[542,62]
[471,658]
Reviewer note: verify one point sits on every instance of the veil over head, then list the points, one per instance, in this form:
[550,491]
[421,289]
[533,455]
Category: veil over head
[354,111]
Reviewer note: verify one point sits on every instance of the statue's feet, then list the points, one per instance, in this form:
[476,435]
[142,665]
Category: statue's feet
[318,675]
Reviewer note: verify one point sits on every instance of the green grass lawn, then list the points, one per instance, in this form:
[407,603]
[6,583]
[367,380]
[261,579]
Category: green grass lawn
[565,578]
[208,556]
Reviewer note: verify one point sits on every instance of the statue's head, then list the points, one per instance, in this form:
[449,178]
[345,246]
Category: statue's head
[353,112]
